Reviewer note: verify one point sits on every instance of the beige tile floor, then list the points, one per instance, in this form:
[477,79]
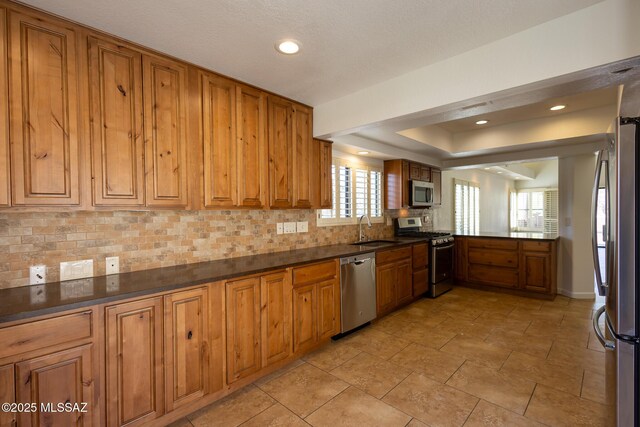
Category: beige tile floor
[471,358]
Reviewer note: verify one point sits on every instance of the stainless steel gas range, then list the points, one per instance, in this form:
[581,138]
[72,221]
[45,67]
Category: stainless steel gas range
[440,253]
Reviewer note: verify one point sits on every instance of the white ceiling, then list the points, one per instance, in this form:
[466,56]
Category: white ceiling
[347,45]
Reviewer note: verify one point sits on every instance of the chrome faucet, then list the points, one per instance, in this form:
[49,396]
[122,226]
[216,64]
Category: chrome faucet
[360,231]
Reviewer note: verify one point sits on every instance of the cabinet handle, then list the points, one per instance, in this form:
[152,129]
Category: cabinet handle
[189,335]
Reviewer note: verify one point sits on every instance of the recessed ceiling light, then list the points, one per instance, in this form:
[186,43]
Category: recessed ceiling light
[499,172]
[487,169]
[557,107]
[363,152]
[482,122]
[517,177]
[288,47]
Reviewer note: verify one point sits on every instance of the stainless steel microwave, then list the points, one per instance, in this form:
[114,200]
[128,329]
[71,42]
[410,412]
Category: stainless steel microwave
[420,194]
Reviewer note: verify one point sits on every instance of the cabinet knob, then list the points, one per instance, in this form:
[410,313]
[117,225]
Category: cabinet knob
[189,335]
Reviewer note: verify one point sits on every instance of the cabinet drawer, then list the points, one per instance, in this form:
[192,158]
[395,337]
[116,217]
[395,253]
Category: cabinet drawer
[393,255]
[529,245]
[420,259]
[495,276]
[44,333]
[314,272]
[493,257]
[504,244]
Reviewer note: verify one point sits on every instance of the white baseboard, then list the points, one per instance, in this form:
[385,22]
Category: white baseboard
[577,295]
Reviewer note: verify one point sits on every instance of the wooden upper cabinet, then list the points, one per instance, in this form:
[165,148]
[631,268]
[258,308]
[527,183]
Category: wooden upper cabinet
[186,347]
[252,156]
[165,133]
[436,178]
[326,177]
[276,317]
[5,178]
[243,328]
[304,164]
[44,112]
[219,139]
[62,377]
[134,371]
[280,130]
[425,173]
[415,171]
[115,75]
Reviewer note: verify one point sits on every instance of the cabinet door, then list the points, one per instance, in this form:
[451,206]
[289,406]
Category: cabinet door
[326,177]
[415,171]
[436,178]
[386,276]
[305,327]
[44,112]
[62,377]
[276,317]
[134,362]
[425,173]
[420,282]
[460,260]
[165,120]
[328,309]
[7,395]
[115,74]
[186,347]
[252,147]
[5,179]
[303,159]
[243,328]
[280,131]
[536,271]
[404,286]
[219,139]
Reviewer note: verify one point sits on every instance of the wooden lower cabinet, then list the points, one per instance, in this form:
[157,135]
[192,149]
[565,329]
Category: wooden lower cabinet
[522,265]
[243,328]
[258,323]
[7,394]
[275,319]
[420,282]
[316,305]
[64,377]
[134,362]
[305,331]
[186,347]
[394,279]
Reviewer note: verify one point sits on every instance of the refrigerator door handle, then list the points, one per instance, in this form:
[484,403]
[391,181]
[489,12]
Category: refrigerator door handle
[602,286]
[607,344]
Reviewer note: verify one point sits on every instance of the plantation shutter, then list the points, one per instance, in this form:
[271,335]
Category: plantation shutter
[551,211]
[467,206]
[375,194]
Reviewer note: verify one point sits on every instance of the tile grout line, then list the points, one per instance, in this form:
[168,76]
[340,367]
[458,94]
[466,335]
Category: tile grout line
[325,403]
[275,402]
[530,398]
[474,408]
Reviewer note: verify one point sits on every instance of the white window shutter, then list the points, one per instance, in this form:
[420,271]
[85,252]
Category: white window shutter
[551,211]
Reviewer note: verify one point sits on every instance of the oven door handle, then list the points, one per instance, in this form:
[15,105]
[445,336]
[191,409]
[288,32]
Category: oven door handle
[440,248]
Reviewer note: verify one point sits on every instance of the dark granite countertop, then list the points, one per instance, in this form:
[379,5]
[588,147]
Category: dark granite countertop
[36,300]
[511,235]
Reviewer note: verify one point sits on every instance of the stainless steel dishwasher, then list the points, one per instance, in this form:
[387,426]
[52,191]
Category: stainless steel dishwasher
[357,290]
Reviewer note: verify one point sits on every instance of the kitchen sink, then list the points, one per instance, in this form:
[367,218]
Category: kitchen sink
[374,243]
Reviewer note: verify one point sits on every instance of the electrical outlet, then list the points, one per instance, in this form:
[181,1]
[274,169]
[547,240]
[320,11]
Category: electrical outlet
[37,274]
[113,265]
[302,226]
[279,228]
[289,227]
[76,269]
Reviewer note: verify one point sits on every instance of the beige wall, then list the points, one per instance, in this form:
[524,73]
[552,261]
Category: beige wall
[546,176]
[575,260]
[145,240]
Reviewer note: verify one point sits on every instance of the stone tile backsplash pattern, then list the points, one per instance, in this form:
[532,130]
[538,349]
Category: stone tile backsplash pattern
[151,239]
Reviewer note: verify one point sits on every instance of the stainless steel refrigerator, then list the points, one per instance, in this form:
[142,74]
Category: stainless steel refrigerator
[616,324]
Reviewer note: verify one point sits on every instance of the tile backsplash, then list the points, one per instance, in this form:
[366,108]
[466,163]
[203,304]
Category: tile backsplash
[152,239]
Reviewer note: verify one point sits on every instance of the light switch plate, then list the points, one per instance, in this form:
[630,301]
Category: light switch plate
[37,274]
[76,269]
[289,227]
[279,228]
[113,265]
[302,226]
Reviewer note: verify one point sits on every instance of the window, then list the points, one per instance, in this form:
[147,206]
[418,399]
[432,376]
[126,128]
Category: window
[534,210]
[467,206]
[357,190]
